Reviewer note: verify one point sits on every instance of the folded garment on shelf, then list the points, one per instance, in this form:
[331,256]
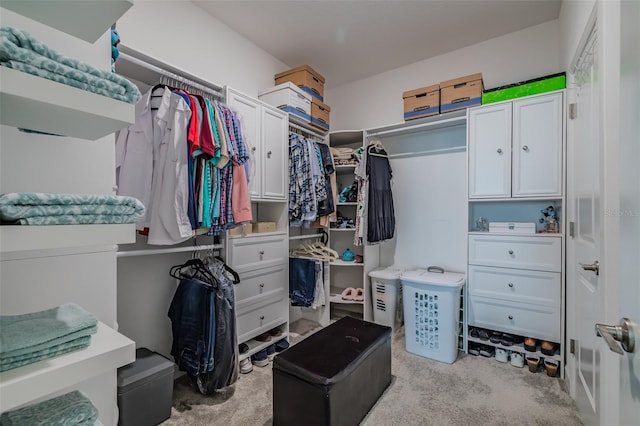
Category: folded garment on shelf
[35,336]
[70,409]
[22,52]
[35,208]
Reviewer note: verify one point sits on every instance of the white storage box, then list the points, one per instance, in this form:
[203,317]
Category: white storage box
[386,291]
[513,227]
[431,313]
[290,98]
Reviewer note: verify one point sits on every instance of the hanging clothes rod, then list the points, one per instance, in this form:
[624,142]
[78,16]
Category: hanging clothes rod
[428,152]
[435,124]
[213,89]
[203,247]
[307,131]
[305,237]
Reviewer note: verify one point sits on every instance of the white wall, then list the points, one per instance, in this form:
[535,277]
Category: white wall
[192,40]
[573,20]
[377,100]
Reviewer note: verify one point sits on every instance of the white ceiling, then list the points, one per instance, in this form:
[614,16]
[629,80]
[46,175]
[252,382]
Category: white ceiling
[350,40]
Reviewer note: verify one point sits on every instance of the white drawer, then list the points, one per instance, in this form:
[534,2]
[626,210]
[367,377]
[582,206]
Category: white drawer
[537,253]
[262,318]
[250,253]
[259,282]
[541,322]
[518,285]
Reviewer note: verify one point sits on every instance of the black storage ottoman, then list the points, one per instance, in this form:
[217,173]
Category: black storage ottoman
[334,376]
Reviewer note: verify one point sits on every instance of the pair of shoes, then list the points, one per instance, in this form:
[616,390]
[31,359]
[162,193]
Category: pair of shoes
[271,352]
[551,365]
[355,294]
[260,358]
[473,332]
[517,359]
[487,351]
[483,334]
[474,349]
[281,345]
[533,362]
[264,337]
[547,348]
[246,366]
[530,344]
[275,332]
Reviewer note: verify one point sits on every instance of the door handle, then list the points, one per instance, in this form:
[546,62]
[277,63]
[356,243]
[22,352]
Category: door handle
[622,333]
[595,267]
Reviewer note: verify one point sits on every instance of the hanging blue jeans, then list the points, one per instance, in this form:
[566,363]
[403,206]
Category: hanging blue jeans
[302,281]
[192,317]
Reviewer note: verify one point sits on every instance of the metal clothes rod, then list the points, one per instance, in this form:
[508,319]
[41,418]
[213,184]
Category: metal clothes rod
[215,91]
[305,237]
[419,126]
[133,253]
[431,151]
[307,131]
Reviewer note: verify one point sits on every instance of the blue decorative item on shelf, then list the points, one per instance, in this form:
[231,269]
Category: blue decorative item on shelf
[115,40]
[348,256]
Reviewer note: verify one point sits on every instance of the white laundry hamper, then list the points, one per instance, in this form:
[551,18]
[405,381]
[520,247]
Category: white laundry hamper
[387,296]
[431,312]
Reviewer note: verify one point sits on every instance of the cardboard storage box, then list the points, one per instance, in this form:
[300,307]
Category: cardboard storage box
[320,114]
[290,98]
[421,102]
[259,227]
[145,389]
[512,227]
[245,228]
[304,77]
[536,86]
[461,93]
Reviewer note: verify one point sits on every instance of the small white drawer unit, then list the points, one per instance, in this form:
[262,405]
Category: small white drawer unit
[515,284]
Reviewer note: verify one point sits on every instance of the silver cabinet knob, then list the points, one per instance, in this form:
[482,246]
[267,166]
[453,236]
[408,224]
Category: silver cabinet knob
[510,317]
[253,149]
[525,148]
[261,285]
[510,251]
[511,285]
[499,151]
[261,252]
[261,317]
[269,154]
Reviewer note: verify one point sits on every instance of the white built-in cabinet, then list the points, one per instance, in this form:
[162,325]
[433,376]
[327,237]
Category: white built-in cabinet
[515,148]
[46,266]
[515,282]
[264,127]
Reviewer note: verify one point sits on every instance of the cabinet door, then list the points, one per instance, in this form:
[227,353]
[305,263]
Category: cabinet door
[248,111]
[490,151]
[275,156]
[537,146]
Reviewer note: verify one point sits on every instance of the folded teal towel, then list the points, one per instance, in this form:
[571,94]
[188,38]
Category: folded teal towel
[33,330]
[22,52]
[36,208]
[70,409]
[15,361]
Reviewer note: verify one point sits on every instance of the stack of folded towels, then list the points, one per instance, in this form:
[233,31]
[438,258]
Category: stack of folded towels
[71,409]
[33,337]
[37,208]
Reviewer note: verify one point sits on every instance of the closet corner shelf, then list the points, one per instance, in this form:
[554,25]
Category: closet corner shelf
[87,20]
[439,121]
[21,238]
[518,347]
[43,105]
[339,262]
[346,137]
[342,229]
[108,351]
[337,298]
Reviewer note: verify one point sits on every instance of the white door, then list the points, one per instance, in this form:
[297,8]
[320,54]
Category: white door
[490,151]
[584,194]
[248,111]
[629,214]
[537,146]
[275,153]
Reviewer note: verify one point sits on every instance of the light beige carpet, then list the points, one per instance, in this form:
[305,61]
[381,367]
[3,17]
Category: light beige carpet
[471,391]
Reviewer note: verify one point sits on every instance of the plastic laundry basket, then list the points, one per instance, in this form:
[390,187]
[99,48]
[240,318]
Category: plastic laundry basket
[387,292]
[431,311]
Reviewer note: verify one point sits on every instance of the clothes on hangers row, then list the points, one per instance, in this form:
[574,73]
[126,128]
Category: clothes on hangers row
[186,159]
[374,210]
[312,182]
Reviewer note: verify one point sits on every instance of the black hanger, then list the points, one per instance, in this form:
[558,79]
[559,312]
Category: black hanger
[199,270]
[236,277]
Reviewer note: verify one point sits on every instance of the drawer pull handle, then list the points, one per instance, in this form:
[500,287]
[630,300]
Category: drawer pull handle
[499,151]
[510,251]
[511,285]
[510,317]
[261,285]
[261,317]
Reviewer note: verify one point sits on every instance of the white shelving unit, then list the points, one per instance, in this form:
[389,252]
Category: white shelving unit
[22,238]
[86,20]
[35,103]
[108,350]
